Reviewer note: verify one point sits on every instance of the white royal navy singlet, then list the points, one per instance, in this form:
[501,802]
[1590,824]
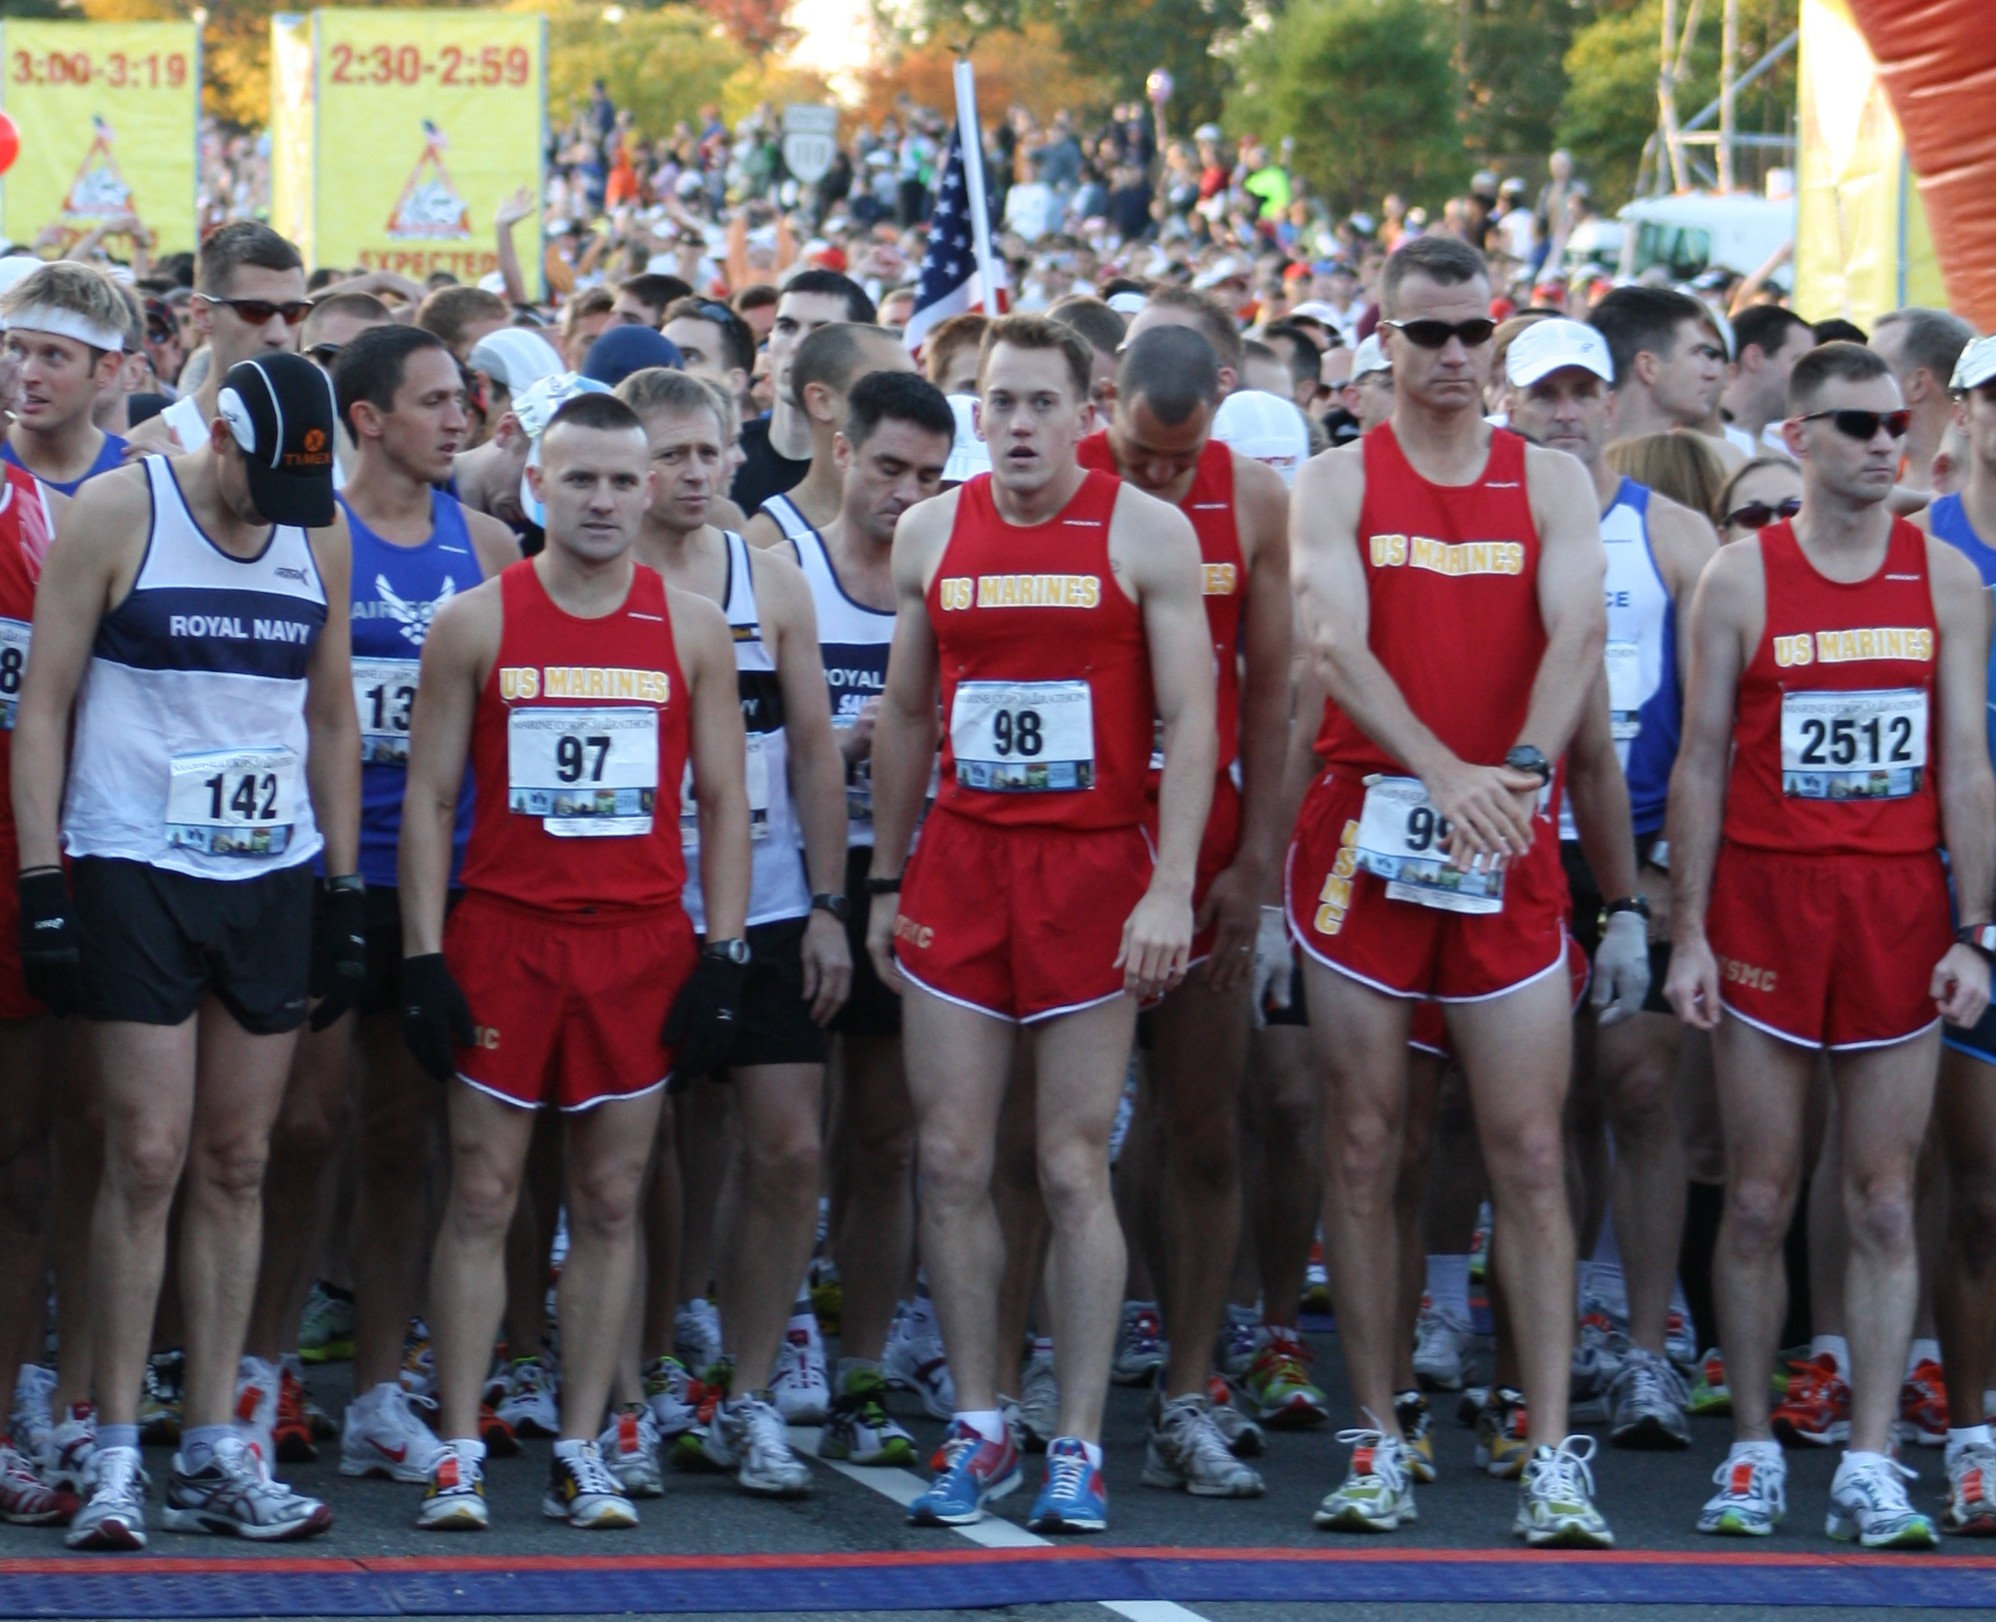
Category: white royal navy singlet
[190,738]
[854,640]
[778,888]
[782,511]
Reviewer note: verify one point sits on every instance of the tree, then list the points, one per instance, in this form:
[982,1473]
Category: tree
[1025,67]
[1366,90]
[757,26]
[662,65]
[1509,54]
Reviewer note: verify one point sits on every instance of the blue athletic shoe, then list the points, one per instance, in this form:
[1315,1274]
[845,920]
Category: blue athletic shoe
[970,1473]
[1074,1499]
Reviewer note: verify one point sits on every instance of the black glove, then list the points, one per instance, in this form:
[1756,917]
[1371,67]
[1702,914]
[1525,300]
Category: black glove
[436,1020]
[339,952]
[701,1028]
[51,963]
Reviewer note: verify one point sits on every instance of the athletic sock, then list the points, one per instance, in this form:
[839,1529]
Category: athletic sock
[1094,1452]
[1603,1278]
[197,1444]
[1765,1449]
[123,1436]
[989,1423]
[569,1446]
[1837,1347]
[1448,1285]
[1921,1351]
[1042,1348]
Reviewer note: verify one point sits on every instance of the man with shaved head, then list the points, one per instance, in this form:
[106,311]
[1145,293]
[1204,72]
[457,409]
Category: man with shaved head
[1183,307]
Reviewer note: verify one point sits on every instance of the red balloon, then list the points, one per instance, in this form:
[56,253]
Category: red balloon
[10,142]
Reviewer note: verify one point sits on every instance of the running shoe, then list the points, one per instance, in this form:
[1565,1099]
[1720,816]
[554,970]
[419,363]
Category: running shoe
[1441,1349]
[1417,1433]
[419,1361]
[1377,1493]
[159,1401]
[1074,1498]
[1316,1295]
[322,1424]
[232,1494]
[114,1514]
[1680,1340]
[747,1435]
[860,1430]
[455,1501]
[799,1384]
[705,1392]
[1816,1408]
[257,1384]
[1648,1400]
[1244,1438]
[1598,1351]
[915,1361]
[828,1296]
[1039,1402]
[1556,1499]
[666,1393]
[1139,1344]
[384,1438]
[1186,1450]
[1868,1505]
[1278,1383]
[1752,1495]
[325,1332]
[1479,1243]
[629,1445]
[1501,1430]
[1710,1395]
[496,1433]
[32,1415]
[292,1430]
[1971,1491]
[530,1405]
[1923,1405]
[582,1492]
[1239,1341]
[25,1499]
[696,1333]
[69,1450]
[969,1473]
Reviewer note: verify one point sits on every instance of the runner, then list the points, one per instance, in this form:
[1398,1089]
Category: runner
[1435,521]
[66,327]
[195,621]
[249,299]
[1835,657]
[778,449]
[578,688]
[801,966]
[1172,306]
[1670,364]
[1560,374]
[1159,440]
[1771,340]
[714,342]
[1922,347]
[1059,613]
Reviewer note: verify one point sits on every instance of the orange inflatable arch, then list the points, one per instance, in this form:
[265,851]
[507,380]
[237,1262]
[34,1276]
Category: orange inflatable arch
[1937,60]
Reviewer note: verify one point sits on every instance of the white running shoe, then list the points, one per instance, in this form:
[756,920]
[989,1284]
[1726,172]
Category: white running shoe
[531,1405]
[1039,1403]
[456,1499]
[382,1437]
[666,1394]
[1441,1349]
[799,1383]
[1239,1342]
[1377,1493]
[1556,1499]
[257,1385]
[114,1515]
[1752,1495]
[1648,1397]
[629,1445]
[747,1436]
[25,1499]
[1868,1505]
[1140,1348]
[582,1492]
[69,1451]
[1186,1450]
[915,1361]
[233,1494]
[33,1414]
[696,1334]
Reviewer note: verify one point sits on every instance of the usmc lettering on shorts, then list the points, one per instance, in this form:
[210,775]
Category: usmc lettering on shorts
[1020,591]
[1446,557]
[1910,642]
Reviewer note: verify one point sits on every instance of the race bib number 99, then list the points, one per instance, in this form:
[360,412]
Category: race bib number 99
[232,802]
[384,691]
[583,772]
[1853,746]
[1401,838]
[13,665]
[1032,737]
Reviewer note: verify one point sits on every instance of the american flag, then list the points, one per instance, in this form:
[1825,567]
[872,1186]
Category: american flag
[949,283]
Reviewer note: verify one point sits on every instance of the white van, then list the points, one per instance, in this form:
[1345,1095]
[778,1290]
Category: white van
[1697,231]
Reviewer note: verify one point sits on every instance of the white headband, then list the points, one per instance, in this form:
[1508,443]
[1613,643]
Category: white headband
[64,324]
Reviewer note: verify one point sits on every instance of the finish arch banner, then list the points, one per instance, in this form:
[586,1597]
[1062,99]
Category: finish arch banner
[110,122]
[396,135]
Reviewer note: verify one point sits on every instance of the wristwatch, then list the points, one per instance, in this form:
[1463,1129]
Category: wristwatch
[1525,757]
[1978,938]
[880,886]
[1635,904]
[832,902]
[735,951]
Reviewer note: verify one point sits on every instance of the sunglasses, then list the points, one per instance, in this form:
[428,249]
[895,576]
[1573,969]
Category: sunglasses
[257,311]
[1863,425]
[1436,334]
[1758,514]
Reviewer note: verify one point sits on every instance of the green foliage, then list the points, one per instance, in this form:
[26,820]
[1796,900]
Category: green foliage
[1510,52]
[664,64]
[1367,91]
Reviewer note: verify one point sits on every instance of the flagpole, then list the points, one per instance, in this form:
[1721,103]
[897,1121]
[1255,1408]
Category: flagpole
[972,140]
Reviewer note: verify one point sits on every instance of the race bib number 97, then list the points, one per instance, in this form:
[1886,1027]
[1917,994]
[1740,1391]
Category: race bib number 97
[1853,746]
[232,802]
[583,772]
[1029,737]
[1401,838]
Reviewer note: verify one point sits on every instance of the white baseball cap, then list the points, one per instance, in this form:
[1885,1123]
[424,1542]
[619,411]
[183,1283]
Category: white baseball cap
[1370,356]
[969,455]
[535,407]
[1546,346]
[1976,366]
[515,357]
[1265,427]
[1126,303]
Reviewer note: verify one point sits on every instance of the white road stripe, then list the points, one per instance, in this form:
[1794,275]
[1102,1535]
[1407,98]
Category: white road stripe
[993,1532]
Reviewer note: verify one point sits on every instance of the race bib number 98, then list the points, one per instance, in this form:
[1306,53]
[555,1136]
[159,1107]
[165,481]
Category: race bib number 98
[13,665]
[232,802]
[1853,746]
[583,772]
[1401,838]
[1031,737]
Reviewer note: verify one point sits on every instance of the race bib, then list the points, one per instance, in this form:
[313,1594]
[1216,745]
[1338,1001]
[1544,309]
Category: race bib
[232,802]
[1400,837]
[1625,689]
[1853,746]
[384,691]
[1028,737]
[583,772]
[756,771]
[13,665]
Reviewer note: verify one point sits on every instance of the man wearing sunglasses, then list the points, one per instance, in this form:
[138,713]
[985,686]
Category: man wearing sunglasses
[1560,374]
[249,299]
[1833,742]
[1450,578]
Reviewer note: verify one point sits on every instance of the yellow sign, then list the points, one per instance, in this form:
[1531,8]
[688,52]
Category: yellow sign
[109,116]
[396,136]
